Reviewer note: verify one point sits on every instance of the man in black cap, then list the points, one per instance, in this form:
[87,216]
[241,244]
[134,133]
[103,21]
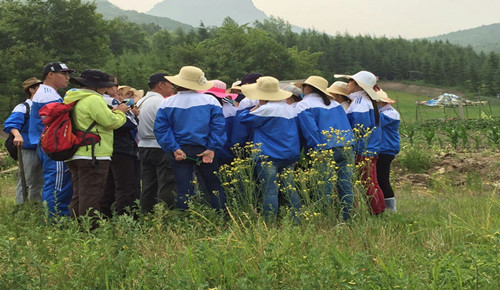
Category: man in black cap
[57,187]
[158,182]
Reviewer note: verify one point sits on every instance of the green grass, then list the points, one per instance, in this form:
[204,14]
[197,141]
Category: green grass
[443,240]
[411,112]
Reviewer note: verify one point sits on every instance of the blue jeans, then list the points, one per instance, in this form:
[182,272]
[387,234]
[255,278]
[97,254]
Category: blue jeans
[183,171]
[343,157]
[267,174]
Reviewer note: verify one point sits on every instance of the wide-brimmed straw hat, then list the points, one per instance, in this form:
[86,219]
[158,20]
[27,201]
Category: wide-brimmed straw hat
[31,82]
[366,80]
[190,77]
[383,97]
[124,89]
[339,88]
[219,90]
[315,81]
[267,89]
[137,93]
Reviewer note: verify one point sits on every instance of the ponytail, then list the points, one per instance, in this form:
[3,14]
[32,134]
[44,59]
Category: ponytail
[375,110]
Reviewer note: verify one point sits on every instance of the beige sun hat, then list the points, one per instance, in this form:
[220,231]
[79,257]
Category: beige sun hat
[31,82]
[137,93]
[191,77]
[266,88]
[366,80]
[316,81]
[383,97]
[339,88]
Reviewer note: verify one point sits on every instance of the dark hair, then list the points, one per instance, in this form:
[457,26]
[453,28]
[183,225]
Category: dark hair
[375,110]
[325,98]
[217,98]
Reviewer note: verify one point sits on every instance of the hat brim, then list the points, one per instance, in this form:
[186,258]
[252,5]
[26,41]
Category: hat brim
[253,92]
[299,85]
[91,84]
[369,90]
[32,85]
[189,84]
[219,95]
[336,90]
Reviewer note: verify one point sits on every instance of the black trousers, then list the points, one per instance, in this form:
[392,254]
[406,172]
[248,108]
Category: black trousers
[383,174]
[158,181]
[121,184]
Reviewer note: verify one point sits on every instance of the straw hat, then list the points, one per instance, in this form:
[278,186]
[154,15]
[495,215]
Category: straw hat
[124,89]
[317,82]
[339,88]
[384,98]
[219,90]
[190,77]
[267,89]
[137,93]
[30,83]
[366,80]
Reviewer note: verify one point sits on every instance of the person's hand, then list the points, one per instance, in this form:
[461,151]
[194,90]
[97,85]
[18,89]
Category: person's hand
[207,156]
[135,110]
[121,107]
[18,141]
[179,155]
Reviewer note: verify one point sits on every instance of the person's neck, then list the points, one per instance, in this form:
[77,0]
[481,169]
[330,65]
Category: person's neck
[51,84]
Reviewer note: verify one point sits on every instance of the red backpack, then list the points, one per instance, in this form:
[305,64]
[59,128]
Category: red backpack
[59,139]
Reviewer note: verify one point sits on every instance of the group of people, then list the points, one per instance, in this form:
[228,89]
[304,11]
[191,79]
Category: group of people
[152,146]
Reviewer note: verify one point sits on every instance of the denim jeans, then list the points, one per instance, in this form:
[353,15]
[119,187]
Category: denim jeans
[183,171]
[343,157]
[267,174]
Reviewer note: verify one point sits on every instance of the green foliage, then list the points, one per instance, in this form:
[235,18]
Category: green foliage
[415,160]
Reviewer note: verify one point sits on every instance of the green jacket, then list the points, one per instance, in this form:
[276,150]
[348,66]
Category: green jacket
[92,107]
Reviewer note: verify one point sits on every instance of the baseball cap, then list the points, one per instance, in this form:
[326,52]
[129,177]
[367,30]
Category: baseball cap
[156,78]
[56,67]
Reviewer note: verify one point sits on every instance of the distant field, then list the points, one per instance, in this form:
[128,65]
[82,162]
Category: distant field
[411,112]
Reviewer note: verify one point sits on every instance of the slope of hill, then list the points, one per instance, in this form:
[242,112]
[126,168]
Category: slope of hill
[210,12]
[484,38]
[110,11]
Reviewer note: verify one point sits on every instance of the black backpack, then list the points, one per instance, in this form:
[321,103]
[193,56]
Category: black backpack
[9,143]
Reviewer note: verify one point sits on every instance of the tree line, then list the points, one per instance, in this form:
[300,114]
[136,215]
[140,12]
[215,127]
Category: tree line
[35,32]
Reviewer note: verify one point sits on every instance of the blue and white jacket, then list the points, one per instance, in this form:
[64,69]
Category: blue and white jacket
[322,124]
[275,129]
[17,121]
[43,96]
[242,133]
[389,122]
[190,118]
[361,115]
[226,155]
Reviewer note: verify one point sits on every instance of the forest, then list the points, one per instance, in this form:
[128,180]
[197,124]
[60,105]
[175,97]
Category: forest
[35,32]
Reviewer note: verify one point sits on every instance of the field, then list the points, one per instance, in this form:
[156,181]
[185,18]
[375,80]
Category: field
[445,234]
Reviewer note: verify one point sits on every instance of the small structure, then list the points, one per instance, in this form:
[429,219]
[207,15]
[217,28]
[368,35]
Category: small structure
[450,100]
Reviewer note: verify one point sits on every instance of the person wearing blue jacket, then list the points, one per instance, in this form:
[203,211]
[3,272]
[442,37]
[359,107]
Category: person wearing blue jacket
[191,126]
[276,134]
[389,123]
[364,118]
[324,125]
[225,155]
[57,188]
[17,124]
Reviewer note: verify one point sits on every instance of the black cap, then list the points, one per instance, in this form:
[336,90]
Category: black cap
[250,78]
[56,67]
[93,78]
[156,78]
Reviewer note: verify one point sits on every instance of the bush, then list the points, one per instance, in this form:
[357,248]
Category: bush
[416,160]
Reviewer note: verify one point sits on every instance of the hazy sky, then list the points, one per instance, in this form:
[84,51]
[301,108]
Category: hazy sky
[392,18]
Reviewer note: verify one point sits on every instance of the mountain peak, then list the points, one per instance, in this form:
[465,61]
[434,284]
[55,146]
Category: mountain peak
[210,12]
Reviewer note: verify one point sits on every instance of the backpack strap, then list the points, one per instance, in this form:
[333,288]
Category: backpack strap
[92,146]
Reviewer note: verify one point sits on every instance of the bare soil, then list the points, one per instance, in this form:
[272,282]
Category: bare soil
[457,169]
